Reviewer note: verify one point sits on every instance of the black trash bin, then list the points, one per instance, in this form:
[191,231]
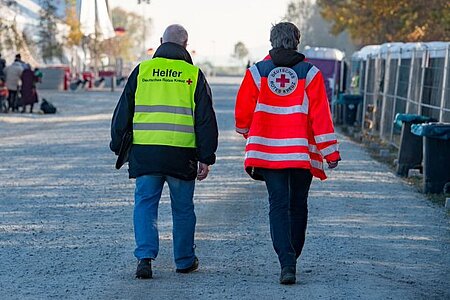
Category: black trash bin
[350,105]
[410,152]
[436,155]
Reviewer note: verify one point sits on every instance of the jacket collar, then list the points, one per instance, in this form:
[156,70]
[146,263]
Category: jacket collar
[285,57]
[173,51]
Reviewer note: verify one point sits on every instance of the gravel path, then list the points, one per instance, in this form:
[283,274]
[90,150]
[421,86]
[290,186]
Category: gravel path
[66,221]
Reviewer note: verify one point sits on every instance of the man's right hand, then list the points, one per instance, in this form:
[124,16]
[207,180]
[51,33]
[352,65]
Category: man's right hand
[202,172]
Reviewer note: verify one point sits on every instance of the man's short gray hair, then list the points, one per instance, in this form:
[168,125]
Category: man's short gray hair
[285,35]
[175,34]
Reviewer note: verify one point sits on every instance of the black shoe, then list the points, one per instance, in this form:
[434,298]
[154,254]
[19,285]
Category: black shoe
[190,269]
[144,269]
[287,275]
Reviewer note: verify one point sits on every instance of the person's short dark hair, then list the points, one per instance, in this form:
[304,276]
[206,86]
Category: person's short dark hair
[18,57]
[285,35]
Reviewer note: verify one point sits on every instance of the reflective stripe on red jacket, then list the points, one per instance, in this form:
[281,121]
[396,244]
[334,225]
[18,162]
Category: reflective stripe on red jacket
[285,114]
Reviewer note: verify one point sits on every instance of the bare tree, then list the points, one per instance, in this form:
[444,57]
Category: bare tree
[240,51]
[10,37]
[300,13]
[50,46]
[315,30]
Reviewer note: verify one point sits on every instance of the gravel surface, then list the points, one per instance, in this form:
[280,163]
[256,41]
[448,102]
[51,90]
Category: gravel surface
[66,221]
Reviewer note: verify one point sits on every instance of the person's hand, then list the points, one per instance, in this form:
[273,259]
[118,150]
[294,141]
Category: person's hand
[202,171]
[332,164]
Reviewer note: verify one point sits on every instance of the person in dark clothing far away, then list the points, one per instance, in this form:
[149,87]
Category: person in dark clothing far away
[2,67]
[283,112]
[167,104]
[28,90]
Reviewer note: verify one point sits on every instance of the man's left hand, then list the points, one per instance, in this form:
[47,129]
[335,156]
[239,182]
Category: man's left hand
[202,172]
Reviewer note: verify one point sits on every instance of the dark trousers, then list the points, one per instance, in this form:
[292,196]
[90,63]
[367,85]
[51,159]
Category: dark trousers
[12,100]
[288,198]
[31,108]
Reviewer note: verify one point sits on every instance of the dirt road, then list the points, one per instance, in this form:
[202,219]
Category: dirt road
[66,221]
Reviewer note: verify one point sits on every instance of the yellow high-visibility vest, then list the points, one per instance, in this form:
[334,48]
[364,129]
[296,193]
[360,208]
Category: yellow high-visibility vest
[164,103]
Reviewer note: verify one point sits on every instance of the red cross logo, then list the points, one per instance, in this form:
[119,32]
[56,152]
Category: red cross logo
[189,81]
[282,80]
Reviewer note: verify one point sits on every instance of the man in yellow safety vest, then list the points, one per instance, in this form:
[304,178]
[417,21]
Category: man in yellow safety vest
[167,105]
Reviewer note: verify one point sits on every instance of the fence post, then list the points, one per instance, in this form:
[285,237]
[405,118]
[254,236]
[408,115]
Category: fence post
[444,84]
[376,90]
[410,79]
[386,88]
[394,106]
[422,80]
[366,71]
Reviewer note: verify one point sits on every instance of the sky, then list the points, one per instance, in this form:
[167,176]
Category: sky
[214,26]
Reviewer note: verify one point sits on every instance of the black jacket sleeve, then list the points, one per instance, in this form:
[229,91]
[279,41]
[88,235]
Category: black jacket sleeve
[122,119]
[205,122]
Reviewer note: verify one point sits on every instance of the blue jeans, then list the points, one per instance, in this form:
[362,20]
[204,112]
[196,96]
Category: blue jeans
[288,214]
[147,196]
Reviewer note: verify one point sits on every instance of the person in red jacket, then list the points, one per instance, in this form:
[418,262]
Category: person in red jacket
[282,110]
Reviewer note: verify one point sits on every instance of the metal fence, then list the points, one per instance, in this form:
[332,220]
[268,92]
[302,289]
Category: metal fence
[414,81]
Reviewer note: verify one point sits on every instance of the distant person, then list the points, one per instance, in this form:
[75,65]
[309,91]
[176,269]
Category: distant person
[354,84]
[13,73]
[38,79]
[283,112]
[18,58]
[38,74]
[167,104]
[2,67]
[3,96]
[28,90]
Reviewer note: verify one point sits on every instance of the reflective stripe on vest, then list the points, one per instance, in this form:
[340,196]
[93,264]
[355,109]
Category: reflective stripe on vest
[324,152]
[277,156]
[242,130]
[164,103]
[328,137]
[285,142]
[280,157]
[330,149]
[164,108]
[284,110]
[256,76]
[317,164]
[310,75]
[163,126]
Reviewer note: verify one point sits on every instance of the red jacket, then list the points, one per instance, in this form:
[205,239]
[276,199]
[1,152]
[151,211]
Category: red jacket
[285,115]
